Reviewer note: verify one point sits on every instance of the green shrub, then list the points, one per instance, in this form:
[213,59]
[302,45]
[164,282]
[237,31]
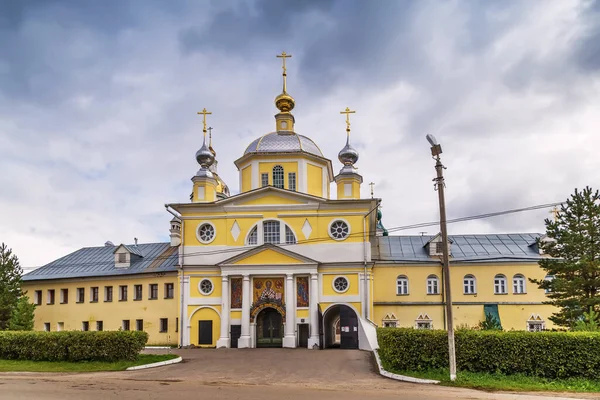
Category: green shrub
[72,345]
[543,354]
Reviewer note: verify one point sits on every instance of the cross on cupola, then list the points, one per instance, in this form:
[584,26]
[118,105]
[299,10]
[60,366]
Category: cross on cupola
[348,180]
[285,103]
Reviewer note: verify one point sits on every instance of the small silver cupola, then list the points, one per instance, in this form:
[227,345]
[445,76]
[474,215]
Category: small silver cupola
[204,156]
[348,155]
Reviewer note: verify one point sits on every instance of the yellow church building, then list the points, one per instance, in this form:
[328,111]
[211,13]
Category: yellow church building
[286,263]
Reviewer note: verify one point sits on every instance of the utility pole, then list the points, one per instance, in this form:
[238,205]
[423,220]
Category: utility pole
[436,150]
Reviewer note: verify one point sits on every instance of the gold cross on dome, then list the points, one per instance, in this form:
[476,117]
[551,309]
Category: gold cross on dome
[554,212]
[204,113]
[347,111]
[283,56]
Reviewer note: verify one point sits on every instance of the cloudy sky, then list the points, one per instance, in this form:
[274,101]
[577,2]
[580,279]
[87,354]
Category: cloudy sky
[98,102]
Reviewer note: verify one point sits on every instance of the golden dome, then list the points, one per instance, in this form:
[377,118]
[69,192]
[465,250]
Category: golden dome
[284,102]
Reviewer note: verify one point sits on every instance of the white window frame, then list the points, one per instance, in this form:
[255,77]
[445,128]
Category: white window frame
[548,278]
[500,284]
[402,285]
[333,221]
[260,232]
[519,284]
[292,178]
[275,184]
[264,179]
[200,225]
[342,277]
[540,324]
[200,287]
[469,284]
[390,323]
[431,279]
[428,323]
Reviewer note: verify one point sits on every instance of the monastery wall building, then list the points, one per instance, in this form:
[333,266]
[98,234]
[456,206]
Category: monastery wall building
[287,263]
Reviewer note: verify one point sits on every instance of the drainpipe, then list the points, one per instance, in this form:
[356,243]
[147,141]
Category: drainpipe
[180,267]
[366,282]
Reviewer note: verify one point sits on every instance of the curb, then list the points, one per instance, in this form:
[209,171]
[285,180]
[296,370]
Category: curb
[403,378]
[156,347]
[156,364]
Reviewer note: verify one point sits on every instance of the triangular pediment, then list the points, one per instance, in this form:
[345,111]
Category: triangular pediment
[269,195]
[423,317]
[390,317]
[268,254]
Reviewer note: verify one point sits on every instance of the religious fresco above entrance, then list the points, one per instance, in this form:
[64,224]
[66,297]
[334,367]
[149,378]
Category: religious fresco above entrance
[302,291]
[236,292]
[268,289]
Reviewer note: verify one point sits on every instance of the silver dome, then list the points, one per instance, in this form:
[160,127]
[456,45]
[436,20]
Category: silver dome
[348,155]
[204,156]
[283,143]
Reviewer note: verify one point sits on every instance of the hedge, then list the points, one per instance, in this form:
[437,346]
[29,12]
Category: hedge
[543,354]
[72,345]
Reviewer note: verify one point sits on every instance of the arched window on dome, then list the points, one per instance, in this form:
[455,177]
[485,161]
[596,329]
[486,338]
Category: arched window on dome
[278,176]
[271,231]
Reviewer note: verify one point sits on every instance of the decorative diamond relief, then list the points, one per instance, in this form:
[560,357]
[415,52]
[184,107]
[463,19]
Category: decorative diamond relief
[235,231]
[306,229]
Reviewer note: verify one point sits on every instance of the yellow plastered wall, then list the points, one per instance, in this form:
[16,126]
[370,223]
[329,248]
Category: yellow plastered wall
[112,313]
[384,283]
[303,313]
[235,314]
[204,313]
[267,168]
[407,314]
[267,257]
[355,193]
[355,305]
[210,190]
[515,316]
[247,178]
[328,284]
[195,289]
[315,180]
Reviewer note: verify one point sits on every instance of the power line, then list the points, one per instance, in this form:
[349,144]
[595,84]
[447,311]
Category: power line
[321,239]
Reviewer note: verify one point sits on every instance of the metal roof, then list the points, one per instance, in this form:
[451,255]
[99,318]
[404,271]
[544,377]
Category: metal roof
[100,261]
[464,248]
[283,143]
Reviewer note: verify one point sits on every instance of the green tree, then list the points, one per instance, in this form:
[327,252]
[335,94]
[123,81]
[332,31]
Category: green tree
[10,284]
[573,243]
[490,323]
[589,322]
[22,315]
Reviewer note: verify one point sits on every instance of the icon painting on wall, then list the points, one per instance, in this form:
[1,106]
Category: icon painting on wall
[268,289]
[302,291]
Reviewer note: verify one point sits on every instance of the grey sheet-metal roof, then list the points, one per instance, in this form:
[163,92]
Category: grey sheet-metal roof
[283,143]
[100,261]
[464,248]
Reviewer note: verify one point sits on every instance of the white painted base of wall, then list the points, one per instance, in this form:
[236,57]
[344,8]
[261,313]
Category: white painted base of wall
[244,342]
[397,377]
[313,343]
[289,342]
[156,364]
[223,343]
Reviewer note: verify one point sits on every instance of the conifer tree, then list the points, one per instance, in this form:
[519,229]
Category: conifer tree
[573,244]
[10,284]
[22,315]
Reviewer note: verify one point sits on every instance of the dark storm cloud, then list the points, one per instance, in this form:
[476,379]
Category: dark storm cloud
[587,51]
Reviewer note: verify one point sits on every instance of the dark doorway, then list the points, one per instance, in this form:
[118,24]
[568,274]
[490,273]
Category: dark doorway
[340,327]
[236,332]
[303,335]
[205,335]
[269,329]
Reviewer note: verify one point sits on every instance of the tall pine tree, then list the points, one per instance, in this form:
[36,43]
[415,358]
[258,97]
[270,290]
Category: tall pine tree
[10,284]
[573,244]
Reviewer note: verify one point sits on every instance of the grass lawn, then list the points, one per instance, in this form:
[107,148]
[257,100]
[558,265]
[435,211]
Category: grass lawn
[82,366]
[517,382]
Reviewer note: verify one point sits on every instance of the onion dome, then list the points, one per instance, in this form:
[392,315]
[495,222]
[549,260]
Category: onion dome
[205,158]
[284,102]
[348,155]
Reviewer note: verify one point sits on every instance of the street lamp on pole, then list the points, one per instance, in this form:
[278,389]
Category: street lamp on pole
[436,150]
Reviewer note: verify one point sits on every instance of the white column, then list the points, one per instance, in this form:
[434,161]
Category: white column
[244,340]
[185,295]
[224,339]
[313,294]
[289,340]
[362,282]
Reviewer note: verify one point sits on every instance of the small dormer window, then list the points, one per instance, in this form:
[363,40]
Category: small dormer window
[439,248]
[122,257]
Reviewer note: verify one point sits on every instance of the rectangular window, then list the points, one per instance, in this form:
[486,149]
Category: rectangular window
[122,257]
[139,324]
[164,325]
[38,298]
[80,295]
[439,248]
[499,286]
[137,292]
[60,326]
[390,324]
[423,325]
[85,326]
[99,325]
[278,176]
[469,285]
[535,326]
[122,293]
[432,286]
[47,326]
[108,293]
[264,179]
[64,296]
[50,299]
[292,181]
[153,291]
[125,325]
[169,290]
[94,294]
[271,232]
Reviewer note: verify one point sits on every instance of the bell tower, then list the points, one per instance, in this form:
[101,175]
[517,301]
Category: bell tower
[205,184]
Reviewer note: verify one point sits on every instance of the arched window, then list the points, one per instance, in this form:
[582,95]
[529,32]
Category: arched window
[469,285]
[278,176]
[500,284]
[433,285]
[271,231]
[519,284]
[402,285]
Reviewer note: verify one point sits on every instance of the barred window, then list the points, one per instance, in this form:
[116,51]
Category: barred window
[500,284]
[469,284]
[278,176]
[264,179]
[253,236]
[290,238]
[433,285]
[402,285]
[292,181]
[271,232]
[519,284]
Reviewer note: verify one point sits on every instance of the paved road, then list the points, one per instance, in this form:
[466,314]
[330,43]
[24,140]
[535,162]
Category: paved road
[263,374]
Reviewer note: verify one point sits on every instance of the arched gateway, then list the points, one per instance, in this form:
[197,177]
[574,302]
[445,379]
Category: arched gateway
[340,327]
[269,328]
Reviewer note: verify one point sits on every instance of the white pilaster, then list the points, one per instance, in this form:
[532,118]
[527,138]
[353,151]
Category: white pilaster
[289,340]
[224,339]
[244,340]
[185,289]
[314,311]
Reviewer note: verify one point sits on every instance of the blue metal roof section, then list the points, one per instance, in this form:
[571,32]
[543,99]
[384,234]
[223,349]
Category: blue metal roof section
[515,247]
[100,261]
